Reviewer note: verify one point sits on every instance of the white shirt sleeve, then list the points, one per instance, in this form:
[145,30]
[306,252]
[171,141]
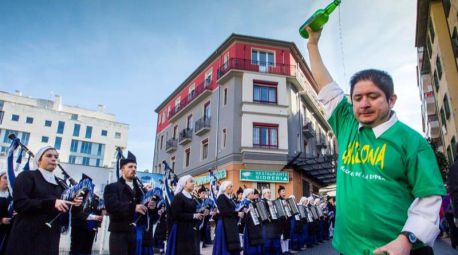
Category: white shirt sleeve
[91,217]
[330,96]
[423,219]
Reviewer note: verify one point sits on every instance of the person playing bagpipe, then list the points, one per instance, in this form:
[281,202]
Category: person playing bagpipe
[227,239]
[184,235]
[284,223]
[5,218]
[82,233]
[37,200]
[146,224]
[271,229]
[252,234]
[123,199]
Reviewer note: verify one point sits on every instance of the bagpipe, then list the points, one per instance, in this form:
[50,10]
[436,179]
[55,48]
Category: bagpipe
[84,189]
[154,194]
[97,206]
[206,204]
[170,179]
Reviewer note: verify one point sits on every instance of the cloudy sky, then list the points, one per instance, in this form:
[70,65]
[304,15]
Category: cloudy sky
[130,55]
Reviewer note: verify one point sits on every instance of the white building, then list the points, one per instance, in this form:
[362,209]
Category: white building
[82,136]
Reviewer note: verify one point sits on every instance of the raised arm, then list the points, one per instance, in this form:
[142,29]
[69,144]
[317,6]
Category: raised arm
[319,70]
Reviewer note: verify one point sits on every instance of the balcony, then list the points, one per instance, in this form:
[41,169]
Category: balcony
[430,102]
[185,136]
[308,131]
[254,66]
[171,145]
[202,126]
[434,129]
[201,91]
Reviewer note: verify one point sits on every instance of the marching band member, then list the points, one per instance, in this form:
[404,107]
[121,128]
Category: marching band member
[160,232]
[37,200]
[252,234]
[227,241]
[82,237]
[5,218]
[296,230]
[305,242]
[314,226]
[183,238]
[271,229]
[122,201]
[285,224]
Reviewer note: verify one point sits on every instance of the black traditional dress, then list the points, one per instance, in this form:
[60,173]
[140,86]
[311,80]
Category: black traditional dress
[4,228]
[184,235]
[227,240]
[34,200]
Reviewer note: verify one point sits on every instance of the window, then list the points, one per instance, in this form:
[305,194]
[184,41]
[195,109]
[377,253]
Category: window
[85,161]
[58,142]
[97,162]
[175,129]
[443,118]
[264,94]
[60,127]
[100,149]
[439,66]
[453,147]
[14,117]
[189,123]
[191,92]
[208,78]
[29,120]
[177,104]
[76,130]
[224,138]
[262,58]
[104,133]
[173,163]
[447,5]
[455,42]
[446,107]
[72,159]
[431,30]
[204,149]
[187,154]
[162,141]
[225,96]
[1,116]
[117,135]
[207,112]
[74,146]
[265,135]
[436,81]
[86,147]
[25,138]
[429,47]
[74,117]
[48,123]
[88,132]
[44,139]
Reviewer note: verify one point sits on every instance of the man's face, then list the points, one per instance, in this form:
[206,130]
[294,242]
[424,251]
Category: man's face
[129,170]
[202,194]
[267,195]
[370,105]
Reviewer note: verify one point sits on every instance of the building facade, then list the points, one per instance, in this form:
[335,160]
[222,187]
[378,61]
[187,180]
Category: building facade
[250,112]
[437,47]
[82,136]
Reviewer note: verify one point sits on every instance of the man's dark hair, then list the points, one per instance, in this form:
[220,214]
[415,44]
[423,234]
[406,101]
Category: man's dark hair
[381,79]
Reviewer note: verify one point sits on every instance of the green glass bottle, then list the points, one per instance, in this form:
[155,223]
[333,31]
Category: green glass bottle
[318,19]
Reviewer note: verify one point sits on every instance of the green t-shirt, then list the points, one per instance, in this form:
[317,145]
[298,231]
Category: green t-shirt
[378,179]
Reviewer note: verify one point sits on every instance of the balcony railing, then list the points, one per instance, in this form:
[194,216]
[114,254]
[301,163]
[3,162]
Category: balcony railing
[185,136]
[308,130]
[254,66]
[199,90]
[202,126]
[171,145]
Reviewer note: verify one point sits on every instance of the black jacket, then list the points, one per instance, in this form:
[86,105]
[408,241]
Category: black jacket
[452,185]
[227,213]
[120,202]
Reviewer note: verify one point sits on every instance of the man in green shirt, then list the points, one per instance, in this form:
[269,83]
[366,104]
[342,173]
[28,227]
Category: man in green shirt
[389,184]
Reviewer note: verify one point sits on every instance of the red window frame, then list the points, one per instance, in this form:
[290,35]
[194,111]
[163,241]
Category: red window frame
[206,105]
[269,126]
[262,83]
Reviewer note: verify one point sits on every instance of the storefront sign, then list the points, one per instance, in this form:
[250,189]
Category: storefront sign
[220,174]
[264,176]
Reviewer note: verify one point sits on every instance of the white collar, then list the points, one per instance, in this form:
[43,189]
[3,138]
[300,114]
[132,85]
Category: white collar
[382,128]
[4,194]
[48,176]
[228,196]
[186,194]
